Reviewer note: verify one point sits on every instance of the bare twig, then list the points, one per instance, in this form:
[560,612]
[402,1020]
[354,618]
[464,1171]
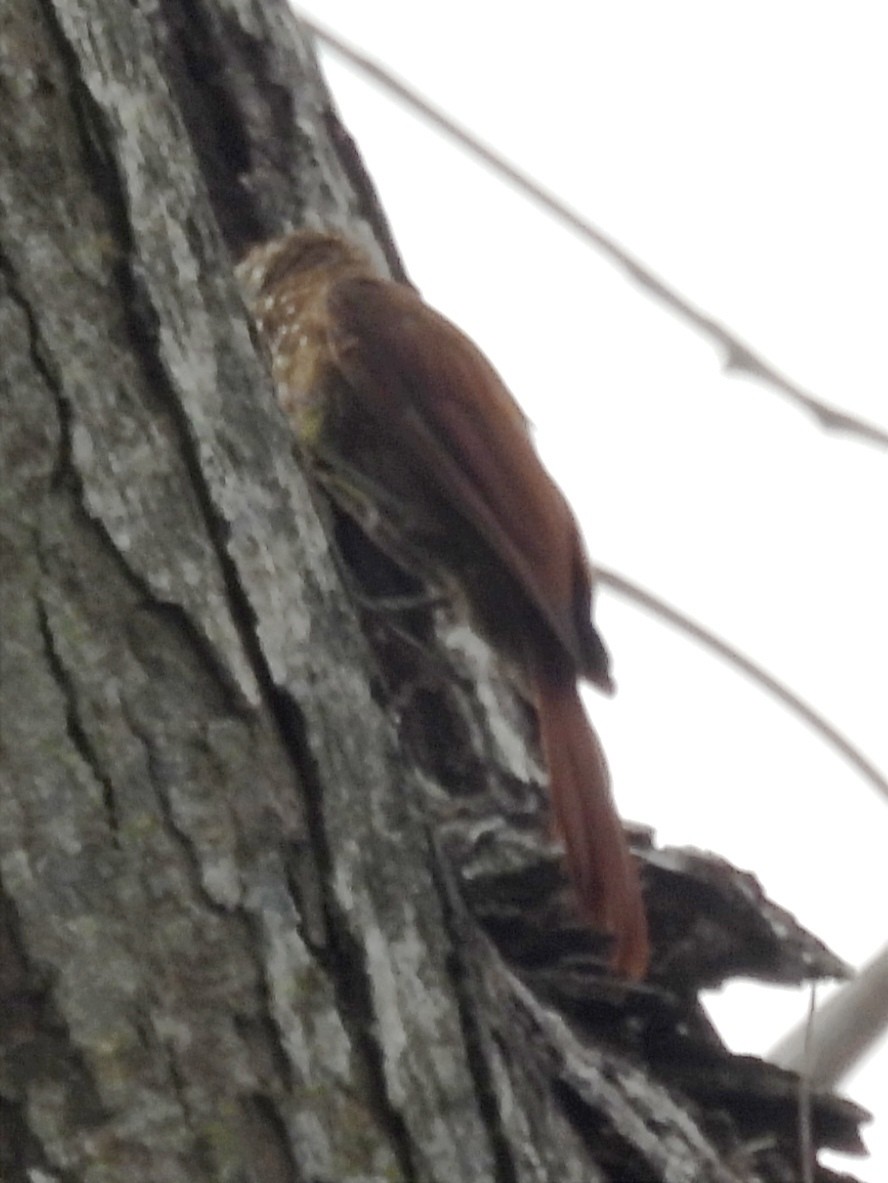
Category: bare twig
[846,1028]
[806,1139]
[830,734]
[739,357]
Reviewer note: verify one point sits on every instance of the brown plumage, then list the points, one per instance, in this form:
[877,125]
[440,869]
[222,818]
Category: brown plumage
[407,413]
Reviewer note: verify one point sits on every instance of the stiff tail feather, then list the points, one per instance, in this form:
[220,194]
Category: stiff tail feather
[598,860]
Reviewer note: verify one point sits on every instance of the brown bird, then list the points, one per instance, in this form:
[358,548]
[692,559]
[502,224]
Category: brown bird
[396,408]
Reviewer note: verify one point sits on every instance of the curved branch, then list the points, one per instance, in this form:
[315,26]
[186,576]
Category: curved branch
[739,357]
[817,722]
[845,1029]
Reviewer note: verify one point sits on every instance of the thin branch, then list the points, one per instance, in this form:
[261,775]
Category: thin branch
[806,1133]
[846,1028]
[739,357]
[817,722]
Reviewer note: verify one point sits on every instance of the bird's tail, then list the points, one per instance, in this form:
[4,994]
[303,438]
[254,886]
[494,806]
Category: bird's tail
[598,861]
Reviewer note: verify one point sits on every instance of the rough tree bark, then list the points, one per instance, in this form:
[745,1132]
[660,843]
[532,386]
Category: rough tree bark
[276,897]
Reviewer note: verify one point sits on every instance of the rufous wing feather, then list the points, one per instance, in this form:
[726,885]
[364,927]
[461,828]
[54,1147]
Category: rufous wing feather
[437,393]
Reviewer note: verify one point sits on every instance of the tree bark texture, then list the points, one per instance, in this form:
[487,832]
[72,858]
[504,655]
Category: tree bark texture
[276,897]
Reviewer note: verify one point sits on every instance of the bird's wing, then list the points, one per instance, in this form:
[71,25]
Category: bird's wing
[440,398]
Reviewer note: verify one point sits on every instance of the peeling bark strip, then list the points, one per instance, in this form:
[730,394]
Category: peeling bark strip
[232,945]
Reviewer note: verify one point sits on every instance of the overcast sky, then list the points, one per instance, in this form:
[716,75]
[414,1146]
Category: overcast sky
[739,152]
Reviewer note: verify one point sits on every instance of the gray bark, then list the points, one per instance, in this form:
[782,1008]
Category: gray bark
[234,942]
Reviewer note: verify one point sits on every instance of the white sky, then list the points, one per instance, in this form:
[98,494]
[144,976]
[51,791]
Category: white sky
[739,151]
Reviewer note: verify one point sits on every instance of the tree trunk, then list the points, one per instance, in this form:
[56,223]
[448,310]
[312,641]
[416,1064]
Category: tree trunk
[276,896]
